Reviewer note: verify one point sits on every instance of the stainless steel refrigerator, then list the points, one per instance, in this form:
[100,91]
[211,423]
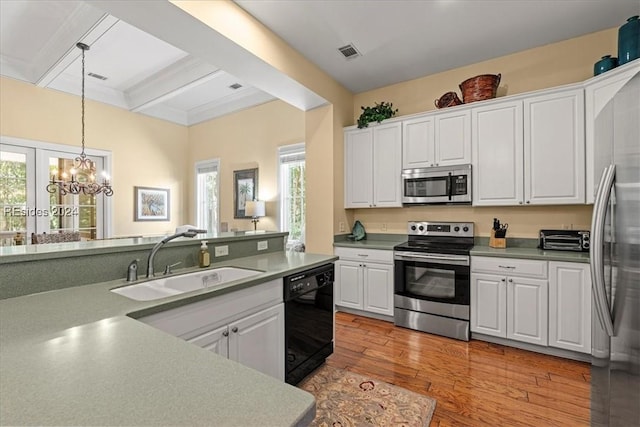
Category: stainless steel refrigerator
[615,264]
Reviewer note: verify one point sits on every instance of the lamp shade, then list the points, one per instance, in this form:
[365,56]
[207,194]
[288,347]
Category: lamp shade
[254,208]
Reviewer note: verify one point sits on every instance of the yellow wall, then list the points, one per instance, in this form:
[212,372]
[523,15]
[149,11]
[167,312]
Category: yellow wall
[146,151]
[245,140]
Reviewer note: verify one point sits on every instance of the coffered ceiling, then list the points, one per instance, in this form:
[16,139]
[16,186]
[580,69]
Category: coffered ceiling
[178,75]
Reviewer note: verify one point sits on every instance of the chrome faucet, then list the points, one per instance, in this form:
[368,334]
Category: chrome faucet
[189,233]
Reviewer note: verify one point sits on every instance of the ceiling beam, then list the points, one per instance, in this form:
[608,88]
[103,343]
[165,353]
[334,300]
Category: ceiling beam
[171,24]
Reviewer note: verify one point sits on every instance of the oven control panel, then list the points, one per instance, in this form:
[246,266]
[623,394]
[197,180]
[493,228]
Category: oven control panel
[307,281]
[445,229]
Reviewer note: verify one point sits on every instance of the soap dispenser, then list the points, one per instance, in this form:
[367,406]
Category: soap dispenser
[203,256]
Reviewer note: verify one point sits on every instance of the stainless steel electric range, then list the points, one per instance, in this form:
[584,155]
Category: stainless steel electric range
[432,278]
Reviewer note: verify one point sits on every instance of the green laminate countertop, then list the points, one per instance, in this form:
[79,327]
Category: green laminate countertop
[98,247]
[523,248]
[77,356]
[373,241]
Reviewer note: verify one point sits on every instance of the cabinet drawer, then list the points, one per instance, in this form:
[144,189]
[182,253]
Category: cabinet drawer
[373,255]
[509,266]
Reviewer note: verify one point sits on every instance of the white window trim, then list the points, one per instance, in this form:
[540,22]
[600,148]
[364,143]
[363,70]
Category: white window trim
[284,150]
[74,151]
[200,165]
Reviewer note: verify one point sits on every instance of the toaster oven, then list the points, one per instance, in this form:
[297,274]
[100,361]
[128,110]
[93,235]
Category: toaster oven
[565,240]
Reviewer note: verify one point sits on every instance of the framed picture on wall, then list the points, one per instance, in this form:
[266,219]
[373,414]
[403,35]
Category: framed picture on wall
[245,188]
[151,204]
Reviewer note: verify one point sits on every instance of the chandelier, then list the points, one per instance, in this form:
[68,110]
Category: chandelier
[83,172]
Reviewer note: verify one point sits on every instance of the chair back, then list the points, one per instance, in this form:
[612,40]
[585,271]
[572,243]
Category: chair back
[64,236]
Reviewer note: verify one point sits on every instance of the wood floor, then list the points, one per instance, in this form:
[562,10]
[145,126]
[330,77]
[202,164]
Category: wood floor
[474,383]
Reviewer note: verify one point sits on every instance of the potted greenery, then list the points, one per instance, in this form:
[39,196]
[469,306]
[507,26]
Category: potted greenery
[377,113]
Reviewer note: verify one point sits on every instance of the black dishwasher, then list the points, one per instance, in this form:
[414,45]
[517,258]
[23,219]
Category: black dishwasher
[308,313]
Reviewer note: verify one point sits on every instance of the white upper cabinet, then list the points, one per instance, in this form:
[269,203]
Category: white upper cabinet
[418,143]
[441,139]
[530,150]
[497,166]
[373,163]
[554,150]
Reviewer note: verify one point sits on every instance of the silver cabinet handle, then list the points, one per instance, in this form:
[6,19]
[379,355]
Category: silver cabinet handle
[510,280]
[225,334]
[363,255]
[234,329]
[507,266]
[597,240]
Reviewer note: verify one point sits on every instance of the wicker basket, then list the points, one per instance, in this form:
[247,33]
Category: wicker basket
[480,87]
[449,99]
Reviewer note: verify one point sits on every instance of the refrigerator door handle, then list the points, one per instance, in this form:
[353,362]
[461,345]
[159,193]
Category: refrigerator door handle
[597,241]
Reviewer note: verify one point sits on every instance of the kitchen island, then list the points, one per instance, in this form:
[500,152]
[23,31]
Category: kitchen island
[77,356]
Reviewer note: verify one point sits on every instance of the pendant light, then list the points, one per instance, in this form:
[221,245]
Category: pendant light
[83,173]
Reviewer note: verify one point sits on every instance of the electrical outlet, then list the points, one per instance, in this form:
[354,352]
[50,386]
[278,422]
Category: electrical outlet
[384,226]
[341,227]
[221,250]
[262,245]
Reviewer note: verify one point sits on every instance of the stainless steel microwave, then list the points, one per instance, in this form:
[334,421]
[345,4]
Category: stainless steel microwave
[437,185]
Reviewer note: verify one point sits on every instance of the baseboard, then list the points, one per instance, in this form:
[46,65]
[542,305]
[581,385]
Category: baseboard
[551,351]
[365,313]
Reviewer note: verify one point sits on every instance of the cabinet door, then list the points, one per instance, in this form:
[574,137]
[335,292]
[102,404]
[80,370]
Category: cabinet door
[358,168]
[387,165]
[527,310]
[554,148]
[216,340]
[488,304]
[257,341]
[418,143]
[570,306]
[497,154]
[348,284]
[378,288]
[453,138]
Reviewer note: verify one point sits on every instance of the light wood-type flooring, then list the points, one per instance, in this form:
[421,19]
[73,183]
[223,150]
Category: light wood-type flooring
[474,383]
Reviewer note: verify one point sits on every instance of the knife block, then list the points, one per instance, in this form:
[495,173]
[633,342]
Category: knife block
[497,242]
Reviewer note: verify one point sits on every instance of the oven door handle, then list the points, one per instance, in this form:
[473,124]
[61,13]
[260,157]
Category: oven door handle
[437,259]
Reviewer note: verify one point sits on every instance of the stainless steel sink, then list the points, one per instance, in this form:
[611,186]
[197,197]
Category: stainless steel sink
[176,285]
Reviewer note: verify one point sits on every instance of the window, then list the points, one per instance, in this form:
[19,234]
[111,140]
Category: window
[207,188]
[292,191]
[27,207]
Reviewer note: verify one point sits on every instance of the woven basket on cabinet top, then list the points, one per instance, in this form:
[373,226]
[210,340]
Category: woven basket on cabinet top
[480,87]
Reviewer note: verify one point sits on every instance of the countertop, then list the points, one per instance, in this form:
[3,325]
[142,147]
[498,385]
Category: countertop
[530,253]
[76,356]
[517,248]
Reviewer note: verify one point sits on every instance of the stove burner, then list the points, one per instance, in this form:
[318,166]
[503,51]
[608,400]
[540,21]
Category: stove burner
[438,237]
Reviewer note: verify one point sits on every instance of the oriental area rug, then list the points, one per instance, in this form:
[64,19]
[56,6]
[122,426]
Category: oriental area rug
[347,399]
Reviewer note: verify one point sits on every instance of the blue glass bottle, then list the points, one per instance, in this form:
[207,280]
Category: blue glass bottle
[629,41]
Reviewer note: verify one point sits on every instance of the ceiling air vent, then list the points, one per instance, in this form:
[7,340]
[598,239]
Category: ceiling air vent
[235,86]
[97,76]
[349,51]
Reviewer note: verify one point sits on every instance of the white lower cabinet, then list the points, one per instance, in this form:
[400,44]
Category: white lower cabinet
[570,306]
[364,280]
[246,326]
[509,305]
[512,299]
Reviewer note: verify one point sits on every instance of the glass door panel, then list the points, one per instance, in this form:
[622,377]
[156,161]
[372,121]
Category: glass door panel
[16,194]
[69,212]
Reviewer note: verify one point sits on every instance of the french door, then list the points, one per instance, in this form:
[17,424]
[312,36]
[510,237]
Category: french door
[27,207]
